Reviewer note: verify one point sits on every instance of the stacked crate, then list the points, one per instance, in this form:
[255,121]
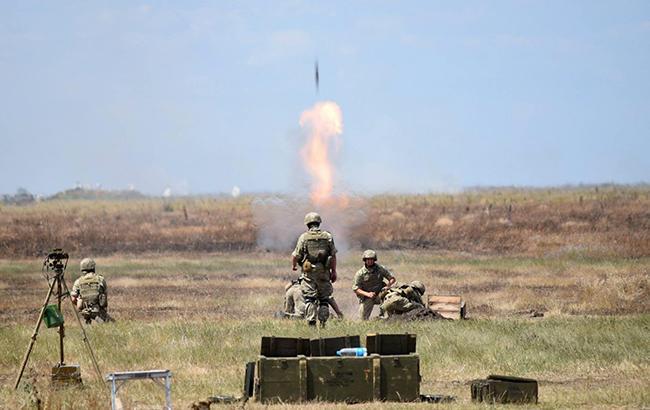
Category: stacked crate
[390,372]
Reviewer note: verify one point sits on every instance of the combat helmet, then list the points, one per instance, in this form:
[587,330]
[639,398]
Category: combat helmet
[312,218]
[369,254]
[87,264]
[419,286]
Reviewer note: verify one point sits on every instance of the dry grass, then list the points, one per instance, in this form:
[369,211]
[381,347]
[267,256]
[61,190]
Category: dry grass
[601,221]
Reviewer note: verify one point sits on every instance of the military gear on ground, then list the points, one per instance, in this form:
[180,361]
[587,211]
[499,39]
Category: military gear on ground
[419,286]
[312,217]
[66,375]
[369,254]
[87,264]
[338,379]
[504,389]
[448,306]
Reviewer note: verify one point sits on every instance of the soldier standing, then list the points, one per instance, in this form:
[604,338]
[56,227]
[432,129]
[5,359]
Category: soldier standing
[369,281]
[316,254]
[89,293]
[403,298]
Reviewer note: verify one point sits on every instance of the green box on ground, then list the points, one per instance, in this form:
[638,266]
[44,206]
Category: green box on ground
[504,389]
[65,375]
[338,379]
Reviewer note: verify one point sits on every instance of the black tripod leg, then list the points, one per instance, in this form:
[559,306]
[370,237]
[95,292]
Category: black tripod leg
[38,325]
[85,337]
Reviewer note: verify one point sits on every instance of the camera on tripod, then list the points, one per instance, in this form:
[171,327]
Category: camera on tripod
[57,260]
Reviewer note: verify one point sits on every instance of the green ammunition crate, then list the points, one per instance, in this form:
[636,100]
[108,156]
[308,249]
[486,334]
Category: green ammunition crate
[344,379]
[328,346]
[400,377]
[338,379]
[272,346]
[281,379]
[504,389]
[66,375]
[391,344]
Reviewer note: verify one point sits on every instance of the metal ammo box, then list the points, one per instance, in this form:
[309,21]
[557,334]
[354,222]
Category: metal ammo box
[65,375]
[504,389]
[338,379]
[391,343]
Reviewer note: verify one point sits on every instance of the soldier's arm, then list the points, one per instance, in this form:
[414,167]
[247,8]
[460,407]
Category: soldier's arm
[296,255]
[75,291]
[333,269]
[388,276]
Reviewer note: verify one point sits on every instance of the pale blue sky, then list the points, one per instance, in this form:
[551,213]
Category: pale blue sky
[436,95]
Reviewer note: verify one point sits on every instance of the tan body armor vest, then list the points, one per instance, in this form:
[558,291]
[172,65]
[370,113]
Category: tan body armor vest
[317,247]
[92,292]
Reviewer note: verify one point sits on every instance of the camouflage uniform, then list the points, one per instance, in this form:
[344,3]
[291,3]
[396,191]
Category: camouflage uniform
[294,301]
[401,299]
[371,279]
[313,250]
[92,299]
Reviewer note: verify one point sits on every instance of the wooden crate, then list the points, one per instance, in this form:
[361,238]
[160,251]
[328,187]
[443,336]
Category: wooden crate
[272,346]
[328,346]
[337,379]
[448,306]
[391,344]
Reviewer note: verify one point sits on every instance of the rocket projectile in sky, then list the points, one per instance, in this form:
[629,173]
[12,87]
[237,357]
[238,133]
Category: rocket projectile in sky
[316,75]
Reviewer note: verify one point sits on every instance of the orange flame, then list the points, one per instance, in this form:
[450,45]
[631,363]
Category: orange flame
[324,125]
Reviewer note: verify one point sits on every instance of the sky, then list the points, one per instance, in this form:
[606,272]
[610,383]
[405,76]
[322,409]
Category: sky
[436,96]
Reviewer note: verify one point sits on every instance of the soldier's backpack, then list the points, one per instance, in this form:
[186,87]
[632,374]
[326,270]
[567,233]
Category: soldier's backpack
[504,389]
[316,247]
[92,292]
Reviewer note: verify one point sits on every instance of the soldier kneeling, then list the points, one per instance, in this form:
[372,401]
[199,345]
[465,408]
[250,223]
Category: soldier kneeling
[89,293]
[403,298]
[294,302]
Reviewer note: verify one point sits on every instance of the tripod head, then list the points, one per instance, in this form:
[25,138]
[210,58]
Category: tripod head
[56,260]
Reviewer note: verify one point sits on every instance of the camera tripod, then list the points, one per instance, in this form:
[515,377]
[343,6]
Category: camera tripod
[57,261]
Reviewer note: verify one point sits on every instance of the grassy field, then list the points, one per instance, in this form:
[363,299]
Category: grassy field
[202,316]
